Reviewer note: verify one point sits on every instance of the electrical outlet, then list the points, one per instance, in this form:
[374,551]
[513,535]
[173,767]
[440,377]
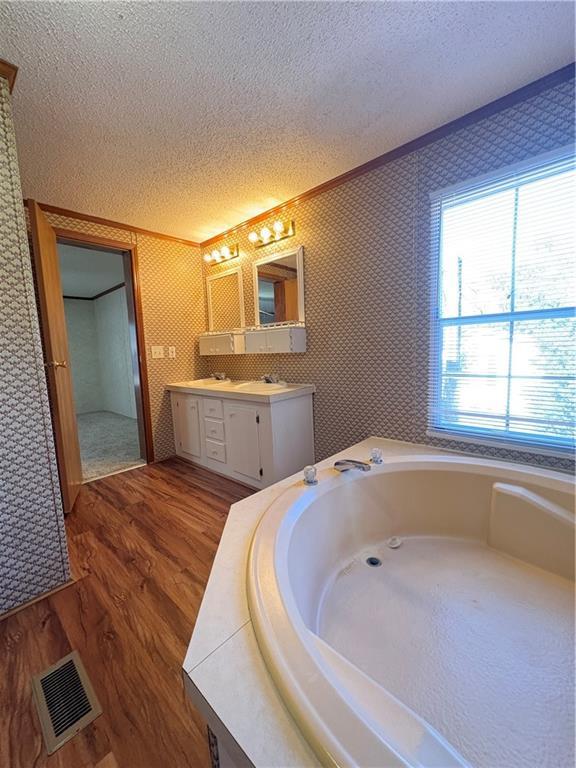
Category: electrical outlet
[157,352]
[171,351]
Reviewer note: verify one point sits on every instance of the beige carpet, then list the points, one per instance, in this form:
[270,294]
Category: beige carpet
[108,443]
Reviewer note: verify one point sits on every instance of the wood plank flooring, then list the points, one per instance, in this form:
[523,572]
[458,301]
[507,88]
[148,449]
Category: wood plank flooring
[141,544]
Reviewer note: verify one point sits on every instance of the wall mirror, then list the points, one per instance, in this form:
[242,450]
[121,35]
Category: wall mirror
[279,288]
[225,298]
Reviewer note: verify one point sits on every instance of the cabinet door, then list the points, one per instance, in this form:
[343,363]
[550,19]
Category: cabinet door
[222,344]
[188,432]
[279,340]
[255,342]
[243,440]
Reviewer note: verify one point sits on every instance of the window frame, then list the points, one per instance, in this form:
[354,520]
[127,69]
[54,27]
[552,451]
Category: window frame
[505,178]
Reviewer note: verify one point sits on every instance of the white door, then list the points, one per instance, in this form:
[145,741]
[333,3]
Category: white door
[243,440]
[188,432]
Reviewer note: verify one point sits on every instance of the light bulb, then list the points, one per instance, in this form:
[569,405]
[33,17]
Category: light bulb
[207,257]
[278,227]
[216,255]
[225,251]
[265,234]
[253,237]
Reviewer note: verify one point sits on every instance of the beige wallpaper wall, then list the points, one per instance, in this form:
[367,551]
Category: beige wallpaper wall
[173,313]
[369,267]
[33,554]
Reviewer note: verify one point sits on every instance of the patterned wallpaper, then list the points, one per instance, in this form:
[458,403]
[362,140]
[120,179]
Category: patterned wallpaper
[368,274]
[225,302]
[173,313]
[33,554]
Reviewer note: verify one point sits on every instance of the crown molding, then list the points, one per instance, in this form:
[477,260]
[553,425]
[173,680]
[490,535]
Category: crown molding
[509,100]
[9,71]
[109,223]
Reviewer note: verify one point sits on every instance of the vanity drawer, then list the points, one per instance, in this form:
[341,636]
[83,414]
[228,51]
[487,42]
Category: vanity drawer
[215,451]
[214,429]
[213,408]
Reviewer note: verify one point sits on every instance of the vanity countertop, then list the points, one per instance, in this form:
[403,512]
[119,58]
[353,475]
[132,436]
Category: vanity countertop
[258,391]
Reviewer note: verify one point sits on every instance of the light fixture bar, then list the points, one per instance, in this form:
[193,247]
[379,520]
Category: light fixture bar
[267,236]
[224,253]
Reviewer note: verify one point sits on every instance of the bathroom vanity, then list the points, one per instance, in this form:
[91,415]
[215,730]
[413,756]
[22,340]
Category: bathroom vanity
[254,432]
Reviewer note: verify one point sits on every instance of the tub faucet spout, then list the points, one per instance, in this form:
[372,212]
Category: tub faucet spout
[345,464]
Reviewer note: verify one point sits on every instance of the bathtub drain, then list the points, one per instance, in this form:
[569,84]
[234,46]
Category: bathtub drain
[373,562]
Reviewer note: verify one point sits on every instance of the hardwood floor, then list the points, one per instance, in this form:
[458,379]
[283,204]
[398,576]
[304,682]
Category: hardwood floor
[141,544]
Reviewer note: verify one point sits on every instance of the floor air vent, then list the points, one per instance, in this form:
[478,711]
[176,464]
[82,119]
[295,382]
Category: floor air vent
[65,701]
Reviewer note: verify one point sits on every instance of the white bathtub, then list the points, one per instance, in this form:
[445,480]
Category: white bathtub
[458,649]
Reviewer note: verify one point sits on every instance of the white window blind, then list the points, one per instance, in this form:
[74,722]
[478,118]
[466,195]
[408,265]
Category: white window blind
[504,327]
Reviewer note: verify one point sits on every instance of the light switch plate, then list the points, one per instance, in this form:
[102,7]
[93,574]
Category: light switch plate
[171,351]
[157,352]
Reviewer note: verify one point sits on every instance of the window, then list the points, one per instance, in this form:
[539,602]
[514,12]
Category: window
[504,326]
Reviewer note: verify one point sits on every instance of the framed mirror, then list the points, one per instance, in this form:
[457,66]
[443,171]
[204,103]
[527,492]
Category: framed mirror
[225,298]
[279,288]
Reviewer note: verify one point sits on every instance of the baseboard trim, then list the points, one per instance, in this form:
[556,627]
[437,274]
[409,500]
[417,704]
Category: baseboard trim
[38,598]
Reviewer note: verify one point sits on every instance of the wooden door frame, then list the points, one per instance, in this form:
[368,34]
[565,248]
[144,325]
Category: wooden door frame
[72,237]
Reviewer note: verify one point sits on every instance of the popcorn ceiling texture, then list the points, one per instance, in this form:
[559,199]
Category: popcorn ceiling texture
[172,309]
[368,271]
[187,118]
[33,553]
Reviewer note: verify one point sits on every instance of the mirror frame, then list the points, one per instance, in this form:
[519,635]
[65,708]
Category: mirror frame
[299,253]
[209,280]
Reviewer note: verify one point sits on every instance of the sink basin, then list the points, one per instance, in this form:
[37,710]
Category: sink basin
[210,382]
[261,386]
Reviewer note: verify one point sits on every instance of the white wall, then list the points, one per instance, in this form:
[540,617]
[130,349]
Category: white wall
[99,342]
[83,346]
[114,354]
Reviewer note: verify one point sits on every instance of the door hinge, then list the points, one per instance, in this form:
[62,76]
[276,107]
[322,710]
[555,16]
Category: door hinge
[261,472]
[258,422]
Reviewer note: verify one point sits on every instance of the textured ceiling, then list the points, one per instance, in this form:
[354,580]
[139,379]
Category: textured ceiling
[188,118]
[87,272]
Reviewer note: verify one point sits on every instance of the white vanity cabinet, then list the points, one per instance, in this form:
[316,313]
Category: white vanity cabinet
[254,341]
[242,424]
[274,340]
[256,441]
[221,344]
[187,425]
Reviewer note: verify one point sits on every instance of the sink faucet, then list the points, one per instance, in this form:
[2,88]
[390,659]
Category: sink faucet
[219,376]
[345,464]
[270,378]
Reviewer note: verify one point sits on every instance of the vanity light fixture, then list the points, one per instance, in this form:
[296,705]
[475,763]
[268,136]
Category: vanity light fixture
[267,236]
[225,253]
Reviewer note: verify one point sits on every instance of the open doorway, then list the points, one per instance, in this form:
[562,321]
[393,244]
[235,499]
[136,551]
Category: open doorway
[99,308]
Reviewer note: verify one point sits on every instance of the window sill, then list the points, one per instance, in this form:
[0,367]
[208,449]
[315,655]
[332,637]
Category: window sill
[509,445]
